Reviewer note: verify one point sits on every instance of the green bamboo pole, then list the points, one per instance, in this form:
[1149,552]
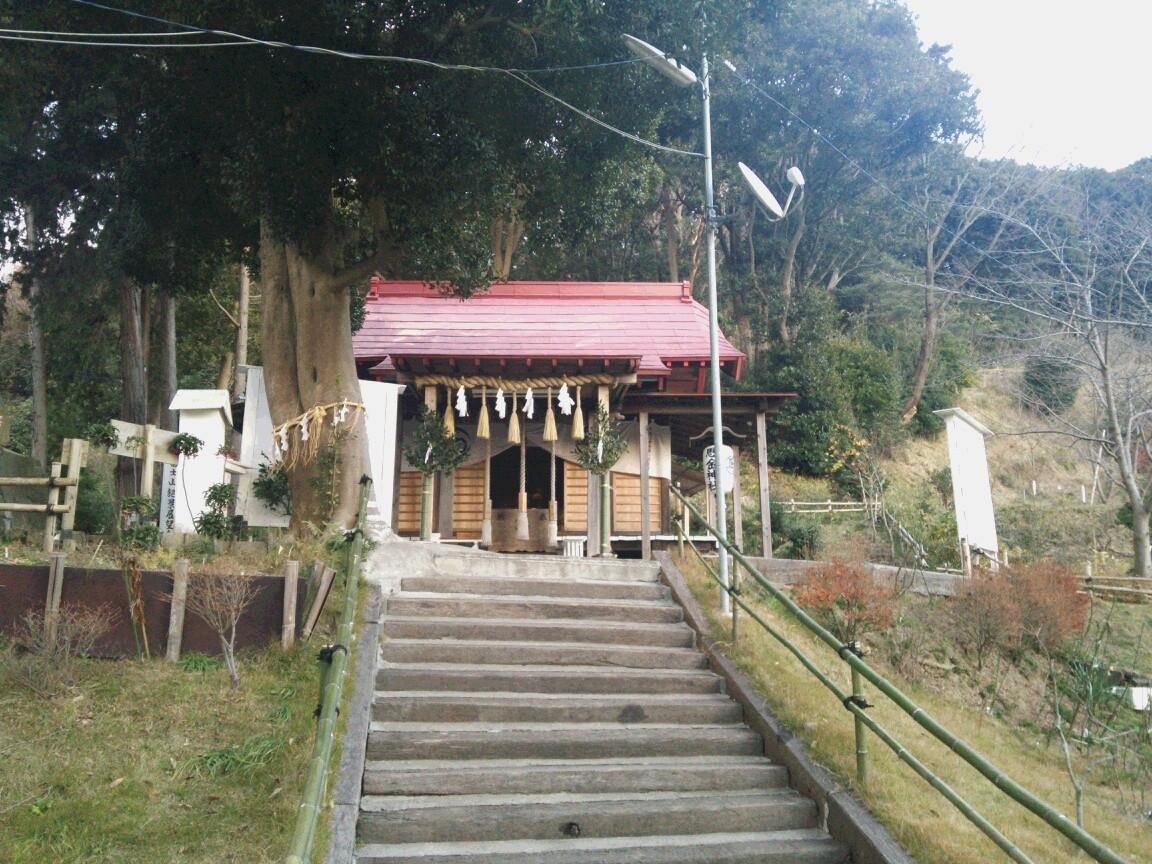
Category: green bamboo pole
[861,735]
[605,516]
[311,802]
[969,812]
[1049,814]
[426,507]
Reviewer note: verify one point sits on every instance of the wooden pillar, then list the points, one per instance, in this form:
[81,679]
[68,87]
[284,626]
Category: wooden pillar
[176,613]
[592,529]
[444,504]
[645,502]
[762,475]
[603,394]
[737,504]
[288,626]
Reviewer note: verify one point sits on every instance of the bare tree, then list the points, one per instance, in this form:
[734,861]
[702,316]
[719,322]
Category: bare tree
[1081,274]
[960,228]
[221,599]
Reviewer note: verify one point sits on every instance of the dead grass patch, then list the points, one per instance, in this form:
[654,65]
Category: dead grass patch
[924,822]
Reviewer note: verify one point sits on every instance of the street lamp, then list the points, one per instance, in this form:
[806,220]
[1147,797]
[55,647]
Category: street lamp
[671,68]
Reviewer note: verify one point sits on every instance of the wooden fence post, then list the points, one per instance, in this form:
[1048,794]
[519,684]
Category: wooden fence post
[176,613]
[72,454]
[52,601]
[50,515]
[291,579]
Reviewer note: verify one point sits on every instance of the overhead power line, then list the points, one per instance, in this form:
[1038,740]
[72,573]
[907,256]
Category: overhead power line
[519,75]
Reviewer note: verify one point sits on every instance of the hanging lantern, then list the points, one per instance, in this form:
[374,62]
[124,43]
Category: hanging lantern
[550,420]
[578,419]
[482,427]
[514,424]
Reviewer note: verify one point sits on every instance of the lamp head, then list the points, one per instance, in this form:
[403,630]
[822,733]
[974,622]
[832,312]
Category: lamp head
[667,66]
[795,176]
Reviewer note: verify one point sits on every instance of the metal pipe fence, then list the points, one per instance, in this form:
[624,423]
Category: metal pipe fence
[856,704]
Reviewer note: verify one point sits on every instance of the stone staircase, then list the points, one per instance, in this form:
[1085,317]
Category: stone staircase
[533,710]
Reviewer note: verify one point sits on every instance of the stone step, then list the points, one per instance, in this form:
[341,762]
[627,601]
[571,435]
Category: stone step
[517,566]
[388,740]
[803,846]
[470,707]
[478,606]
[540,653]
[462,818]
[534,776]
[537,586]
[529,630]
[543,679]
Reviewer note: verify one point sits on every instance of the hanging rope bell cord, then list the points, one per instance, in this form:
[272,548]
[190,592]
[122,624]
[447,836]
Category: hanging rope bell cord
[522,512]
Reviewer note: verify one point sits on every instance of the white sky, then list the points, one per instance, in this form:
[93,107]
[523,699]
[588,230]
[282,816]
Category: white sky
[1061,82]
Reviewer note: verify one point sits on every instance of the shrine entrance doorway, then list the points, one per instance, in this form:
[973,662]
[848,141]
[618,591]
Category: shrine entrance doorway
[506,495]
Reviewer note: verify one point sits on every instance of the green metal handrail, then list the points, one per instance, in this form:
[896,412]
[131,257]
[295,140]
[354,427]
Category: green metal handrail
[335,660]
[856,705]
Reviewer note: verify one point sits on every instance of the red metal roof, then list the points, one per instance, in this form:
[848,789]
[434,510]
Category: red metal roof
[651,324]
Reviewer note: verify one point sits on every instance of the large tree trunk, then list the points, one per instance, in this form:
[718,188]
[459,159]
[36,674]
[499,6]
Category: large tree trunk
[167,379]
[788,280]
[133,377]
[239,379]
[670,210]
[308,361]
[928,335]
[38,359]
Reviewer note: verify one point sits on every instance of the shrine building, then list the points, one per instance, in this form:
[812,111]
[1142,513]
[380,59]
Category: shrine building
[552,352]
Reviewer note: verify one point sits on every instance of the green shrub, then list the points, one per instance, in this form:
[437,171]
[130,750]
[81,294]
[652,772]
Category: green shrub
[95,509]
[271,487]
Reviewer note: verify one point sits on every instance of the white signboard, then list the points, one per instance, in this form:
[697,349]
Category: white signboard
[257,448]
[727,468]
[381,404]
[971,487]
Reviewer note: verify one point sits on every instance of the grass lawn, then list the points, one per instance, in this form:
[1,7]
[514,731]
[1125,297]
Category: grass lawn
[928,826]
[128,761]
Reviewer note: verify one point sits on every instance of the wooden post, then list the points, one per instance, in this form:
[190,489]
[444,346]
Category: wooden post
[762,475]
[291,579]
[50,515]
[444,504]
[148,456]
[52,600]
[73,454]
[176,613]
[645,502]
[737,504]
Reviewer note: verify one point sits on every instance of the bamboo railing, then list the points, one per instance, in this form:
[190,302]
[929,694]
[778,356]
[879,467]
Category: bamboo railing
[334,662]
[858,706]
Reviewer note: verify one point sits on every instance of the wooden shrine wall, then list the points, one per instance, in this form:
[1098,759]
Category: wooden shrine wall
[408,503]
[468,501]
[575,499]
[626,504]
